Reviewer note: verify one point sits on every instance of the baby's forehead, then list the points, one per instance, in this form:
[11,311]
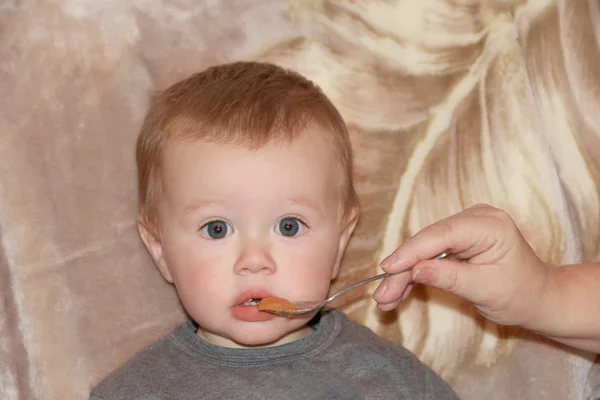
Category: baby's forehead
[313,149]
[306,155]
[230,172]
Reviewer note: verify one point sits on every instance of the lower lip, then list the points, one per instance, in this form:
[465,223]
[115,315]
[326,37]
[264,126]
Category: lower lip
[250,314]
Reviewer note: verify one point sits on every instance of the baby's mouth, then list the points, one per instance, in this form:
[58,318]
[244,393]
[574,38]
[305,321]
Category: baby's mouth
[251,302]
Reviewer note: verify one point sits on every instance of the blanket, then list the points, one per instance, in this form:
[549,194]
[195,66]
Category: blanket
[449,103]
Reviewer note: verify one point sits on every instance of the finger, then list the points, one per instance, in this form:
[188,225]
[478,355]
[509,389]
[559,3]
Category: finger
[407,291]
[389,306]
[458,278]
[392,288]
[460,233]
[426,244]
[395,304]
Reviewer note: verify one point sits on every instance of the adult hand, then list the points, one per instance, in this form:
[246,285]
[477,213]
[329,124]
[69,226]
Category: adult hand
[492,265]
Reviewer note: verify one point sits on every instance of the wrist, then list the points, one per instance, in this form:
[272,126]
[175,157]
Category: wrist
[543,300]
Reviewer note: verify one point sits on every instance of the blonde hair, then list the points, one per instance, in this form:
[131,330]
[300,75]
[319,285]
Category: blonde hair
[247,103]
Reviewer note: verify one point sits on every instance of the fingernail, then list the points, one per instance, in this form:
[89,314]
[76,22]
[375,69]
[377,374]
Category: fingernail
[424,275]
[382,289]
[407,291]
[389,260]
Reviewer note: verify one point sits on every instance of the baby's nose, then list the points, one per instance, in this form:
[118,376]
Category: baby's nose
[255,257]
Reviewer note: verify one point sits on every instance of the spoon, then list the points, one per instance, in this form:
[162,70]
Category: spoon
[283,307]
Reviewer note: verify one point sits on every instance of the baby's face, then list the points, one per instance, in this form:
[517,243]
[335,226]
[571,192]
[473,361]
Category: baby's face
[237,224]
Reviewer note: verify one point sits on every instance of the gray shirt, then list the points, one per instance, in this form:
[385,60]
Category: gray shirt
[341,359]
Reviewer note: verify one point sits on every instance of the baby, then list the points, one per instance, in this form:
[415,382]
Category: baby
[245,192]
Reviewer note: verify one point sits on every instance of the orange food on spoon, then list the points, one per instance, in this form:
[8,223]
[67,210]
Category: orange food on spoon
[276,305]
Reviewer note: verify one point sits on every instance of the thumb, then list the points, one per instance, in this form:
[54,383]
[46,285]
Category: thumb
[450,276]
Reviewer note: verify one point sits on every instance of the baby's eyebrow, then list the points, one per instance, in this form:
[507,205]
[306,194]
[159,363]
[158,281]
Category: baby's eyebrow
[198,203]
[307,202]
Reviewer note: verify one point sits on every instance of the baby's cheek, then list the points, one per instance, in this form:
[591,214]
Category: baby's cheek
[197,284]
[316,279]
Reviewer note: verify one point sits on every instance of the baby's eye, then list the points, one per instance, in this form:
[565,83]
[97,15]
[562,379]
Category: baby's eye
[290,227]
[216,229]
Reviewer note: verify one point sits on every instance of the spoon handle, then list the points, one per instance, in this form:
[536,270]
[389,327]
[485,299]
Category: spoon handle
[371,279]
[380,276]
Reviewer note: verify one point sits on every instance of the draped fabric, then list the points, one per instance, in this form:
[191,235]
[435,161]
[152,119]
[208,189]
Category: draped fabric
[449,103]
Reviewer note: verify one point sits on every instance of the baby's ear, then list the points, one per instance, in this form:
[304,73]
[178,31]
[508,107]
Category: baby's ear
[151,239]
[349,222]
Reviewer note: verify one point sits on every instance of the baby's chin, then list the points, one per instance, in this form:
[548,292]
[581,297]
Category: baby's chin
[261,338]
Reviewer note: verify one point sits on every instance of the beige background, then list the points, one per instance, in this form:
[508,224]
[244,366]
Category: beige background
[449,103]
